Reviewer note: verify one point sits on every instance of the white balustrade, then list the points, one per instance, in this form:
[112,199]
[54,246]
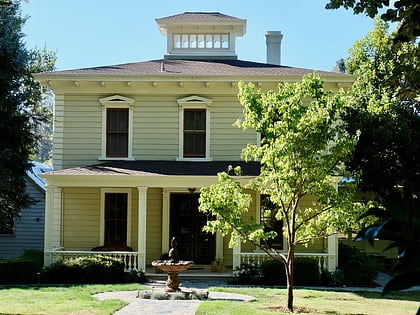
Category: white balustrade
[130,259]
[258,257]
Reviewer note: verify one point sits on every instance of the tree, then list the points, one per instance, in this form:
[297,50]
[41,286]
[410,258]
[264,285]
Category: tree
[404,12]
[302,151]
[387,156]
[19,112]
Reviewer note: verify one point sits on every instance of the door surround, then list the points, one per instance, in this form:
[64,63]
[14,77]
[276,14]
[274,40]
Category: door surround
[166,192]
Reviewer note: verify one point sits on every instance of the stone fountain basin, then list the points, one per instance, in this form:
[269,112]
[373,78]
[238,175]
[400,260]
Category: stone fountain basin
[170,266]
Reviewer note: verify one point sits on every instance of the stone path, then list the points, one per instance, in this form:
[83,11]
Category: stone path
[138,306]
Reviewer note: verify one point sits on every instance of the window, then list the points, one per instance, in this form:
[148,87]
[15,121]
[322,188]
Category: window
[268,213]
[199,41]
[115,226]
[115,219]
[117,125]
[194,131]
[117,132]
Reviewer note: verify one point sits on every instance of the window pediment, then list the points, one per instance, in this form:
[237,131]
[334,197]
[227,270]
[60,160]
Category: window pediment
[116,99]
[194,100]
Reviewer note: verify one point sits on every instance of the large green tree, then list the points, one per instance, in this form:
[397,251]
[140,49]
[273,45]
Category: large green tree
[302,151]
[404,12]
[20,111]
[386,114]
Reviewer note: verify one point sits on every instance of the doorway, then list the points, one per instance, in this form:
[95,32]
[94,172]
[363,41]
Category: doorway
[186,224]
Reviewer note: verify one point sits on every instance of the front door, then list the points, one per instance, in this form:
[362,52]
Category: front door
[186,225]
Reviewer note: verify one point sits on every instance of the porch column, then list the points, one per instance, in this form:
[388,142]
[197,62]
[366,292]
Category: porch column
[165,221]
[237,254]
[141,226]
[332,252]
[219,246]
[49,199]
[56,219]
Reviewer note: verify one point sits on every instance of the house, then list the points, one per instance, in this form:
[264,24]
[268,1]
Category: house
[134,143]
[28,231]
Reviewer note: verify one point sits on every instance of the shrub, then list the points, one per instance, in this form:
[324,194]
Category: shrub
[93,269]
[246,274]
[358,267]
[18,271]
[306,272]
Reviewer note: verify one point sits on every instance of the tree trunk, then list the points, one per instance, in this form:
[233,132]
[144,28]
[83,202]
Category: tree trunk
[289,276]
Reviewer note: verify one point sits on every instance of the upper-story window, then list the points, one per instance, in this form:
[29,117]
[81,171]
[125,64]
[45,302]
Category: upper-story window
[194,131]
[200,41]
[117,132]
[117,126]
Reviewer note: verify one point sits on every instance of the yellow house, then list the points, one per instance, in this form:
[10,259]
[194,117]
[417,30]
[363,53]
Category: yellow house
[134,143]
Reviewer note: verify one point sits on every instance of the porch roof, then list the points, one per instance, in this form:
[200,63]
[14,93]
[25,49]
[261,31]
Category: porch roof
[161,168]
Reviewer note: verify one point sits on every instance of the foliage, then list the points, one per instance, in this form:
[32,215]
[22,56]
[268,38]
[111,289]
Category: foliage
[18,271]
[302,152]
[405,12]
[359,268]
[93,269]
[246,274]
[20,112]
[385,112]
[306,272]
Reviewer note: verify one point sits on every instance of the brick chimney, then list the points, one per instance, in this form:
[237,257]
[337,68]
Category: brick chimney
[273,41]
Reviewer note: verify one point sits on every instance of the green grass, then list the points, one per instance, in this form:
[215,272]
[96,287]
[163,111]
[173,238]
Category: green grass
[272,301]
[76,299]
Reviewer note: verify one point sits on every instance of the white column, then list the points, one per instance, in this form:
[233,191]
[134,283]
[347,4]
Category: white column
[332,252]
[56,218]
[142,224]
[49,201]
[165,221]
[237,254]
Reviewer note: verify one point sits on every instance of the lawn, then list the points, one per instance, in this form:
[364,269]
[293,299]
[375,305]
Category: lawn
[271,301]
[78,299]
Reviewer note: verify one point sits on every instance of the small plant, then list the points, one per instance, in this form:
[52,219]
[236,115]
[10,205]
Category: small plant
[358,267]
[337,278]
[246,274]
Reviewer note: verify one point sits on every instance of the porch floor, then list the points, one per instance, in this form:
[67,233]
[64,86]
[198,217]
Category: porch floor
[195,272]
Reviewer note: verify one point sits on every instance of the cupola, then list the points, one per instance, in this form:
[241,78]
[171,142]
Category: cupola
[201,35]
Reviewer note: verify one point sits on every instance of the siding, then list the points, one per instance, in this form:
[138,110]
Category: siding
[155,129]
[29,233]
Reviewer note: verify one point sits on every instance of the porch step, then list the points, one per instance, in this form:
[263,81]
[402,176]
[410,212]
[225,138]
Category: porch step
[193,273]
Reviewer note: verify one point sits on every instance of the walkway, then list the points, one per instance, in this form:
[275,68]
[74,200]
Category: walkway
[138,306]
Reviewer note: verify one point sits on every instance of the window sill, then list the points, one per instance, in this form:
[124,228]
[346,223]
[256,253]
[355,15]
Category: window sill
[104,158]
[180,159]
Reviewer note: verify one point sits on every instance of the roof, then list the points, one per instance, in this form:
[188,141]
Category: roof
[161,168]
[37,169]
[191,68]
[202,16]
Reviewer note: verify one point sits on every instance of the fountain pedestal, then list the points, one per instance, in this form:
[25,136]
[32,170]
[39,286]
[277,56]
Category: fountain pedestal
[172,269]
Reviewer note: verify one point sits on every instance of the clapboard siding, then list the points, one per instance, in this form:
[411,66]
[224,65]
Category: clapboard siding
[29,232]
[155,129]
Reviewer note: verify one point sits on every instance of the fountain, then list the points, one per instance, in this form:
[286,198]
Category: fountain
[172,267]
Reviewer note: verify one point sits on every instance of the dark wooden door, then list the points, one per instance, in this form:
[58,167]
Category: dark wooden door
[186,225]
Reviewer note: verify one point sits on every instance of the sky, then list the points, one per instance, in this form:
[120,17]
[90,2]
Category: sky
[90,33]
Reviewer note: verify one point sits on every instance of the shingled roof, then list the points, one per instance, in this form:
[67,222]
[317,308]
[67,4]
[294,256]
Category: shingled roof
[161,168]
[192,68]
[202,16]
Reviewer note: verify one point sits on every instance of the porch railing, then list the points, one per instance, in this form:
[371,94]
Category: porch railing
[323,259]
[131,259]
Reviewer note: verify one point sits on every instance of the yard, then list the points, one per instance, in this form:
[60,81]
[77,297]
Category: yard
[78,299]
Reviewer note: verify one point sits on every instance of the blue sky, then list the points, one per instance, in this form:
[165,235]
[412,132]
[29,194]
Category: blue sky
[88,33]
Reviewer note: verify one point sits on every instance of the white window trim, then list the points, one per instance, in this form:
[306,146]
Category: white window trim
[117,101]
[194,102]
[102,224]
